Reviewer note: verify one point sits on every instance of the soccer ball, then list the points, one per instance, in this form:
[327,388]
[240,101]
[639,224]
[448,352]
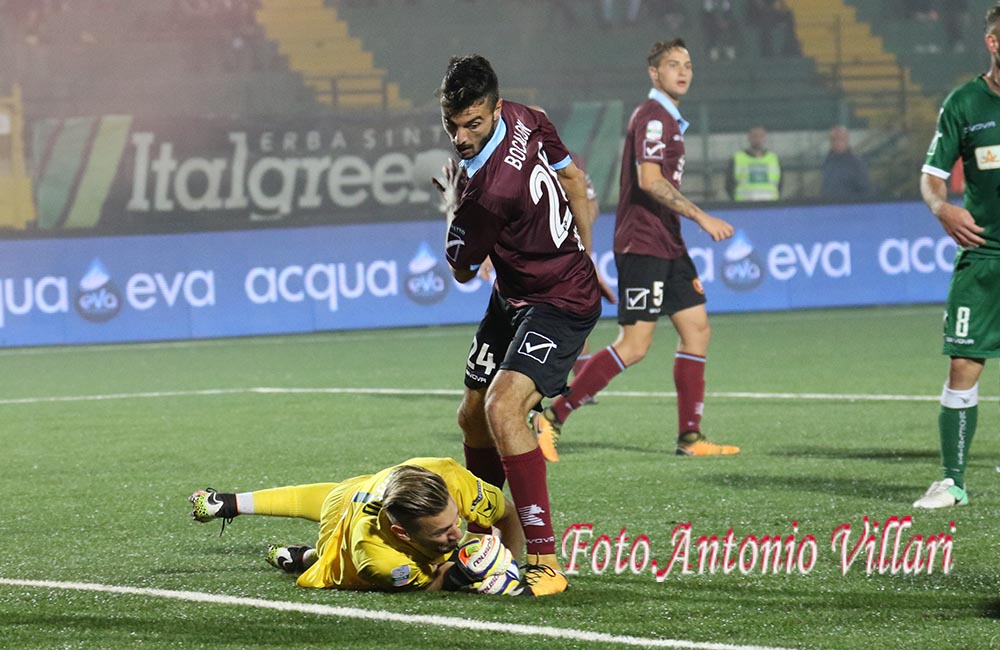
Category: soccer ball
[481,556]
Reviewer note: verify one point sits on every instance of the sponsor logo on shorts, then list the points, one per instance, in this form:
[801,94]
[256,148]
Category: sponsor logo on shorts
[479,379]
[635,299]
[537,346]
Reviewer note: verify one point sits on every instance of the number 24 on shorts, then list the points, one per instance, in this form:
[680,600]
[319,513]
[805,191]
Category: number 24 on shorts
[484,358]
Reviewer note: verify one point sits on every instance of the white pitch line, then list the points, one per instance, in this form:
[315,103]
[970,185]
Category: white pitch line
[266,390]
[380,615]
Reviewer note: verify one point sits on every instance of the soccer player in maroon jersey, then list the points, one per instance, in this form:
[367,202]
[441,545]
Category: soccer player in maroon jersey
[656,276]
[513,198]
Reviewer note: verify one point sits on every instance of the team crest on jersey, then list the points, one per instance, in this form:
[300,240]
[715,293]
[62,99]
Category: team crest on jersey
[401,575]
[988,157]
[537,346]
[654,130]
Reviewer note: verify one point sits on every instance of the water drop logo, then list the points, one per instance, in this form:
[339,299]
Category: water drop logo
[741,270]
[427,280]
[98,299]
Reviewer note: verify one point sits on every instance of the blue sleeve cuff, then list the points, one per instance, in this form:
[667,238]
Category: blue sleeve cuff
[562,164]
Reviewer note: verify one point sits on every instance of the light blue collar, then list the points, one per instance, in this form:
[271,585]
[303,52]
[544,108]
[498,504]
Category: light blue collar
[664,101]
[473,165]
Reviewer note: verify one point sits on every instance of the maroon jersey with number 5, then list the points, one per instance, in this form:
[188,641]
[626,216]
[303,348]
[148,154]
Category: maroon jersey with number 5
[643,225]
[514,210]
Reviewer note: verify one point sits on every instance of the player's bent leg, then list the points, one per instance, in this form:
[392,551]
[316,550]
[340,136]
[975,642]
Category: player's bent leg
[547,430]
[472,419]
[693,330]
[634,341]
[508,401]
[957,419]
[689,379]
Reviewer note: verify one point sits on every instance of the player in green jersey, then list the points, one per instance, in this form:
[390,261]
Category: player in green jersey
[968,128]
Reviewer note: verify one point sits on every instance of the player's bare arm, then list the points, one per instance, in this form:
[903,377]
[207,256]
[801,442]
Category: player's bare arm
[956,220]
[652,182]
[451,190]
[574,183]
[437,584]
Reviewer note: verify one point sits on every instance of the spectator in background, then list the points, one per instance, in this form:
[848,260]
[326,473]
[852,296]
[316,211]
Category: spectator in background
[775,23]
[718,24]
[755,172]
[845,175]
[954,20]
[631,11]
[671,12]
[921,10]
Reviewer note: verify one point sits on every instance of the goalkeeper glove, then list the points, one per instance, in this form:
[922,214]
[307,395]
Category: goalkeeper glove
[484,557]
[507,583]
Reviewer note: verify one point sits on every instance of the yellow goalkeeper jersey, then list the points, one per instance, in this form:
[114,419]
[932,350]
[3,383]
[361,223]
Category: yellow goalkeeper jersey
[356,548]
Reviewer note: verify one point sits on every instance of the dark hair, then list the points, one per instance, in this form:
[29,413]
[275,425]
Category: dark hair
[468,80]
[662,47]
[992,17]
[412,492]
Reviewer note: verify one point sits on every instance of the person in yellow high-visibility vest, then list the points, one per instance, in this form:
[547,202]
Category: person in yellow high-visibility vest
[754,173]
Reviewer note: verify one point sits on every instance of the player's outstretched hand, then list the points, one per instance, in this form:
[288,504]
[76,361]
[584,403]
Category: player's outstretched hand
[451,186]
[481,558]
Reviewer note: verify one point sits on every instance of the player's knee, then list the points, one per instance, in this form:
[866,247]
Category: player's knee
[695,339]
[470,416]
[631,353]
[500,407]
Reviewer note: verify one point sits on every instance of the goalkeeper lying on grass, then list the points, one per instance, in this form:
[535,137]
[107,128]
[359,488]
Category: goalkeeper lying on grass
[397,530]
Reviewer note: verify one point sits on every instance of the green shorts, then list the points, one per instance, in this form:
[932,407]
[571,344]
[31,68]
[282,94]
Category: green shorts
[972,314]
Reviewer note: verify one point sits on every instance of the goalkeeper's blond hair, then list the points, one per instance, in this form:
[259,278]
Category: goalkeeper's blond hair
[413,492]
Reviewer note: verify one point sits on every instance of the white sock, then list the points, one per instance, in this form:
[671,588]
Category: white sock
[244,503]
[960,399]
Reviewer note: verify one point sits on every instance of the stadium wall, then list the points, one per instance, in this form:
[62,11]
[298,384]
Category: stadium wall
[275,281]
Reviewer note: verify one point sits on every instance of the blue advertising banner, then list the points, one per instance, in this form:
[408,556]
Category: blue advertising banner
[155,287]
